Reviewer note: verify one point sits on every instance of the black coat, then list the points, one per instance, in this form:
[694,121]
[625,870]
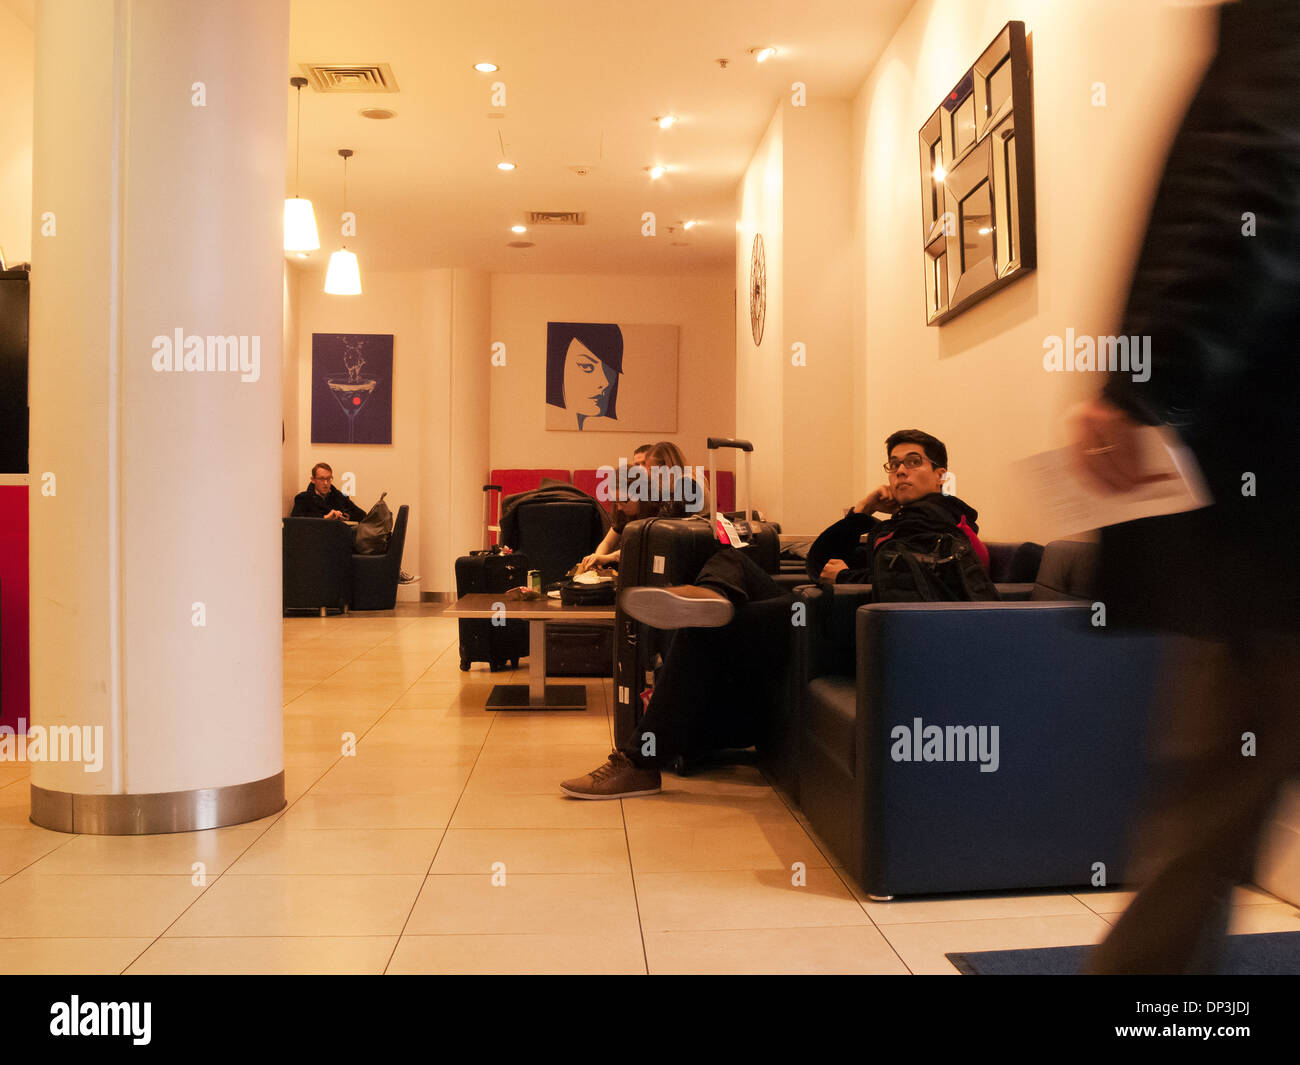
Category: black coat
[935,513]
[1222,309]
[310,504]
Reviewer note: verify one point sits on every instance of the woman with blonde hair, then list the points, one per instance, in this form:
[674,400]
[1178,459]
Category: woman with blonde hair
[669,489]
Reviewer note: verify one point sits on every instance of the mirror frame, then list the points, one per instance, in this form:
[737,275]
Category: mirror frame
[1001,154]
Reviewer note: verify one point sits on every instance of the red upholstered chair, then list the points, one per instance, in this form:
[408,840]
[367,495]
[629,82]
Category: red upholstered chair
[512,481]
[726,490]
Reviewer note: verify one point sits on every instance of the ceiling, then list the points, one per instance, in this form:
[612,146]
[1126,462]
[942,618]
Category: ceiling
[583,82]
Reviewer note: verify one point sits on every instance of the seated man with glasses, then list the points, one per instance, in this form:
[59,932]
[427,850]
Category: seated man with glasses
[915,500]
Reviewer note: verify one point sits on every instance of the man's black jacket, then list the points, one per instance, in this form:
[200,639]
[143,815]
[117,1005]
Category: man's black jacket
[311,504]
[930,515]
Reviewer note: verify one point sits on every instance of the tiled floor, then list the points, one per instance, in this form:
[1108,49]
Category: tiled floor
[443,845]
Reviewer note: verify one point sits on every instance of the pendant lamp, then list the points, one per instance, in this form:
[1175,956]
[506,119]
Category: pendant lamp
[343,277]
[299,218]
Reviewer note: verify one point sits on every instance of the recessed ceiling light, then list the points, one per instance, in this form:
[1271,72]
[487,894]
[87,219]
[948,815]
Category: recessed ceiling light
[689,225]
[377,112]
[518,229]
[656,172]
[520,244]
[486,68]
[302,255]
[762,55]
[505,166]
[666,121]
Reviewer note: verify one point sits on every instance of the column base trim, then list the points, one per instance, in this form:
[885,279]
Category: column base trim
[165,811]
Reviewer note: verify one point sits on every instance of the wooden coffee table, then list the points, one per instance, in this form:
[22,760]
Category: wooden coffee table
[536,694]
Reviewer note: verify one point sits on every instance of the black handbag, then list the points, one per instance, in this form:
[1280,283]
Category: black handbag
[374,530]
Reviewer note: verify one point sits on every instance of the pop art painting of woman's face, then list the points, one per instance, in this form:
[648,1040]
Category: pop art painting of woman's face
[603,376]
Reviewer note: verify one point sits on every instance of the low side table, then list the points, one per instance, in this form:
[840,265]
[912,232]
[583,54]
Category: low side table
[536,694]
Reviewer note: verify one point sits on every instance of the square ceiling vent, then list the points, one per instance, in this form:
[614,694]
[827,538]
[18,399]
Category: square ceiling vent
[557,218]
[350,77]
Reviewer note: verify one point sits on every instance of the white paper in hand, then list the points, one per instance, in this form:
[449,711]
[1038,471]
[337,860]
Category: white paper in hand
[1070,504]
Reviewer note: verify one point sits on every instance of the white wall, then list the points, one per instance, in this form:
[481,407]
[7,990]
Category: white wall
[978,383]
[438,459]
[17,51]
[522,304]
[759,368]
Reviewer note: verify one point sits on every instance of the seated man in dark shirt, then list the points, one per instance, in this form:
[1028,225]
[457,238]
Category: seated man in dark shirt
[322,500]
[916,503]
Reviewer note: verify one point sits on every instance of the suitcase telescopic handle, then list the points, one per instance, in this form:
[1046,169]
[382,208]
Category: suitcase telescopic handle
[716,442]
[493,488]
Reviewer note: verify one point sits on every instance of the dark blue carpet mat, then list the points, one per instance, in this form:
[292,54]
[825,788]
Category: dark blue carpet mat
[1264,954]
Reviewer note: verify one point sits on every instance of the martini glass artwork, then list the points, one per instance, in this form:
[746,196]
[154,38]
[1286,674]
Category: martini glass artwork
[352,396]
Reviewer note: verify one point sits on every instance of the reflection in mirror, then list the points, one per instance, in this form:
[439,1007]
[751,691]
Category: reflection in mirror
[963,126]
[937,175]
[940,281]
[976,227]
[999,84]
[1009,199]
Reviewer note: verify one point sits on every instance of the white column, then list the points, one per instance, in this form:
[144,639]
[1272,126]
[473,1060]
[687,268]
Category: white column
[159,149]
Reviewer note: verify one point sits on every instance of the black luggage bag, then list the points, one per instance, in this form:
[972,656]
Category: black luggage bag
[665,551]
[490,570]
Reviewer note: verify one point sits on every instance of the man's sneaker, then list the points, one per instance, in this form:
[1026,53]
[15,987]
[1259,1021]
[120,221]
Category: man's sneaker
[408,578]
[618,778]
[683,607]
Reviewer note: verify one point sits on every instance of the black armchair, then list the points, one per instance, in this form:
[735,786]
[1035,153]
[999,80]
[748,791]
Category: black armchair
[375,577]
[316,565]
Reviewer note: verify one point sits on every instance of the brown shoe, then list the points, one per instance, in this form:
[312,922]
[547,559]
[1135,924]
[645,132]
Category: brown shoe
[618,778]
[684,606]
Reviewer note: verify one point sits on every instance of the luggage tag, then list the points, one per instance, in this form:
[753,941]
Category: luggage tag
[727,533]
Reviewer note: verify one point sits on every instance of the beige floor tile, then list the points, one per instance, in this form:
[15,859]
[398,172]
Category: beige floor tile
[297,779]
[534,850]
[675,806]
[68,957]
[300,906]
[286,850]
[437,732]
[1112,902]
[778,951]
[10,774]
[499,753]
[351,777]
[570,904]
[1278,917]
[400,753]
[24,844]
[173,854]
[525,781]
[970,907]
[922,946]
[269,955]
[605,955]
[704,848]
[92,906]
[764,898]
[431,809]
[484,809]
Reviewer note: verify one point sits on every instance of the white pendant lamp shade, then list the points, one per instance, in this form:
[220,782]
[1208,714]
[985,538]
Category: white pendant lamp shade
[300,225]
[343,277]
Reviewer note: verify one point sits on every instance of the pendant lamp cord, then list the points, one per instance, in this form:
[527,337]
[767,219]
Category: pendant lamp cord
[297,168]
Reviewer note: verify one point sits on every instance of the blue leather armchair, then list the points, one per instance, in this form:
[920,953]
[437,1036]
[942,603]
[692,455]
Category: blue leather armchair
[1068,702]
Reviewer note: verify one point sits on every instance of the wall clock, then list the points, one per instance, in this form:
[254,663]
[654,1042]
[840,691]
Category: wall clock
[757,289]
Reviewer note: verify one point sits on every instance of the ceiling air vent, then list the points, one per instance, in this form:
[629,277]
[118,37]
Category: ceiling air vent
[556,218]
[350,77]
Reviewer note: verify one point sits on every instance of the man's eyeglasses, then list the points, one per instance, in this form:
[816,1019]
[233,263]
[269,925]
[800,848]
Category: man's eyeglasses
[912,462]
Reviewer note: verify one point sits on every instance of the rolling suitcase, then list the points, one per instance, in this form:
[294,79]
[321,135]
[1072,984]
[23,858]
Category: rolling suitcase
[666,551]
[491,570]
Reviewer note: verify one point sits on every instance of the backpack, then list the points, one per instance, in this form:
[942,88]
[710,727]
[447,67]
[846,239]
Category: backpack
[374,530]
[942,567]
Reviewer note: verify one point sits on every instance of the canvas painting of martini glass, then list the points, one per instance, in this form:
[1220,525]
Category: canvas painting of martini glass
[352,388]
